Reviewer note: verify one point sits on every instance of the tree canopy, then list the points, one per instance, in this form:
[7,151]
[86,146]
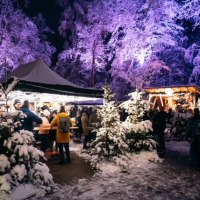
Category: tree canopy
[21,39]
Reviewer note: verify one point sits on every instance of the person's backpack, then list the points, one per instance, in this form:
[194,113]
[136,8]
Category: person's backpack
[64,125]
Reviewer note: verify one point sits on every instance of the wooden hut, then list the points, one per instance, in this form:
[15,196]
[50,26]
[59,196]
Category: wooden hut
[173,96]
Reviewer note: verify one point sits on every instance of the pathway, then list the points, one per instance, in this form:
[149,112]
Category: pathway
[70,172]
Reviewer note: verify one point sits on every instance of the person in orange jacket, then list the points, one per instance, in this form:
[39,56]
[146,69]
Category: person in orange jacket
[62,139]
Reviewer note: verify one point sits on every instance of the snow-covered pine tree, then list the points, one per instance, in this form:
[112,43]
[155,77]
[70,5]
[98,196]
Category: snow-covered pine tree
[109,143]
[180,123]
[21,166]
[135,107]
[137,130]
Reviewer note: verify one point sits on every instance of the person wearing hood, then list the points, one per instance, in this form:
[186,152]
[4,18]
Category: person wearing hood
[30,117]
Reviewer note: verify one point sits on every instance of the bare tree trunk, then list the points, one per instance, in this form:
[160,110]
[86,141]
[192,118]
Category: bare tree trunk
[92,76]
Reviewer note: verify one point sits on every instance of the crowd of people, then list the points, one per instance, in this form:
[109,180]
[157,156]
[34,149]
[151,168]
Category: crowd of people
[84,120]
[160,118]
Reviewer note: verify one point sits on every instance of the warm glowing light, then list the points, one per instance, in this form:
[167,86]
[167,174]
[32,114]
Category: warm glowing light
[169,91]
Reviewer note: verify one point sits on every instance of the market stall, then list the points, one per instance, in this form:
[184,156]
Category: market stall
[53,101]
[173,96]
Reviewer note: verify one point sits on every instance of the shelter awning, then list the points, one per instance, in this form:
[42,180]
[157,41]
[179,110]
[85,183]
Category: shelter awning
[38,77]
[87,102]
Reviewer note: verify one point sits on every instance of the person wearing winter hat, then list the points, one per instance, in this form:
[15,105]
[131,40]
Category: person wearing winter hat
[17,119]
[30,117]
[17,104]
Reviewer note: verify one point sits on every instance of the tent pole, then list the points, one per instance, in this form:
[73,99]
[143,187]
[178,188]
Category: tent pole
[161,100]
[154,103]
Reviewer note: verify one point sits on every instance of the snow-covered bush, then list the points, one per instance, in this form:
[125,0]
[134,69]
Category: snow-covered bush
[20,162]
[116,141]
[136,130]
[138,138]
[179,126]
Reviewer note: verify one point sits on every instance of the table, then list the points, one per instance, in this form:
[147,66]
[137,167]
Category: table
[52,128]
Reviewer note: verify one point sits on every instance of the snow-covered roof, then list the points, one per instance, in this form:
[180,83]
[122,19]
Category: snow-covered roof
[175,89]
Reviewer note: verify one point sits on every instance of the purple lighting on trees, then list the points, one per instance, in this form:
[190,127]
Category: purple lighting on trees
[112,41]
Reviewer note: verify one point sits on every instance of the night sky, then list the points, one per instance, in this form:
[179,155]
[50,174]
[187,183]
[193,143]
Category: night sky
[51,12]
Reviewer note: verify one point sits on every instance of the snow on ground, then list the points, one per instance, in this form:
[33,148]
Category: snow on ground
[181,147]
[146,180]
[23,192]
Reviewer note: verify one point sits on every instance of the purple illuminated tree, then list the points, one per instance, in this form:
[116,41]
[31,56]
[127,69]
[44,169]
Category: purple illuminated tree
[111,41]
[21,39]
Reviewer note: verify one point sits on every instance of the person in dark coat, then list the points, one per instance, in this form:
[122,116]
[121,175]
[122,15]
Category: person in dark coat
[30,117]
[94,123]
[52,133]
[151,113]
[193,132]
[73,111]
[85,123]
[154,121]
[79,124]
[170,116]
[160,125]
[123,114]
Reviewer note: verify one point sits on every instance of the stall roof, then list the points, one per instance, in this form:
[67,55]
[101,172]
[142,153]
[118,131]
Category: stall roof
[87,102]
[36,76]
[175,89]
